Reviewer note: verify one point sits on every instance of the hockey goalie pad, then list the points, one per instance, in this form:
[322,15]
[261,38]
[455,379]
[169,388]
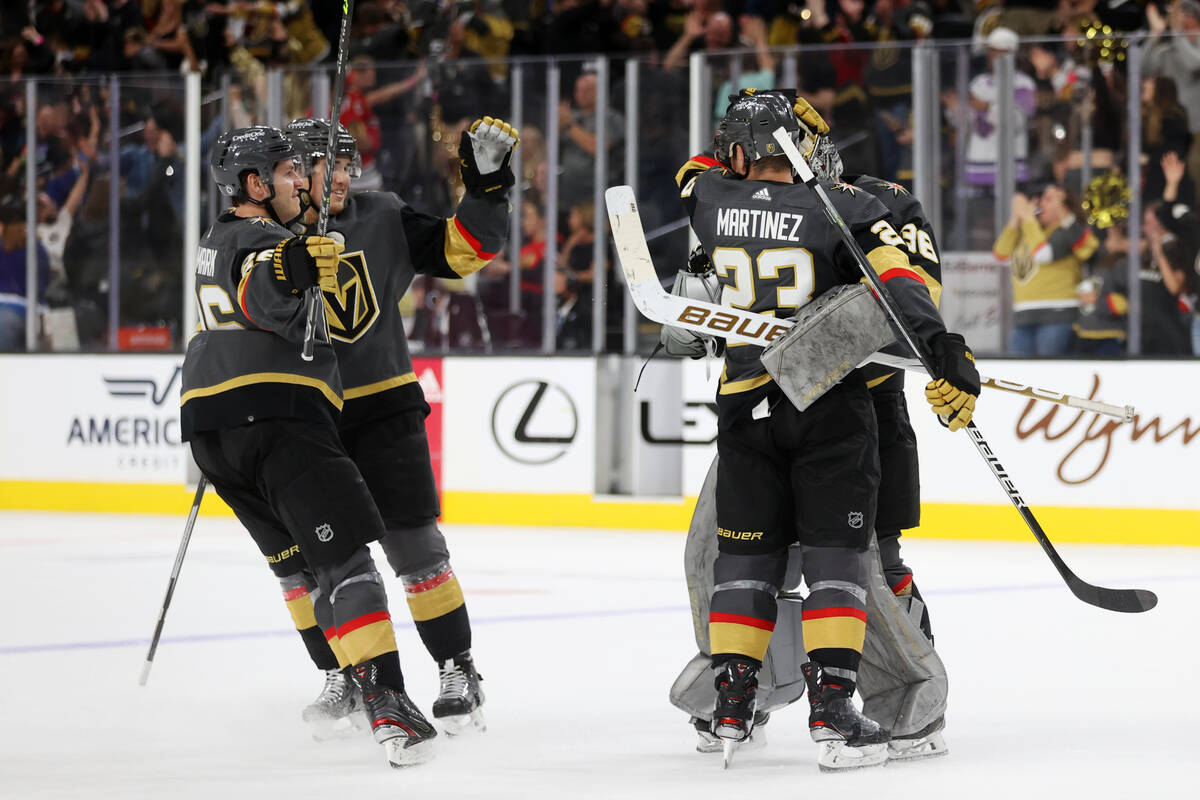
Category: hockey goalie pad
[780,682]
[832,335]
[901,678]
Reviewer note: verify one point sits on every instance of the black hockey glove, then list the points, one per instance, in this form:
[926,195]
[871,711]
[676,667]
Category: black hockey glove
[304,261]
[484,153]
[952,394]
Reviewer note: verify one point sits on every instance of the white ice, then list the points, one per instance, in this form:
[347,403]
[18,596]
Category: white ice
[578,635]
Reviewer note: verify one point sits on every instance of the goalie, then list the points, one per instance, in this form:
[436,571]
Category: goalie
[807,474]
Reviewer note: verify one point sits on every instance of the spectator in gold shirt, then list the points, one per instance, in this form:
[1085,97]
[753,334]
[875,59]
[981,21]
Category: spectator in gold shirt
[1046,245]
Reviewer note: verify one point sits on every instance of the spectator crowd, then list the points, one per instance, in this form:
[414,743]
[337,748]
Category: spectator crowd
[110,213]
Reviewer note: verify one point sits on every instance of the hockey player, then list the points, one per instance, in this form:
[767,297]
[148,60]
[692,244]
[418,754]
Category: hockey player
[383,420]
[898,499]
[784,475]
[262,422]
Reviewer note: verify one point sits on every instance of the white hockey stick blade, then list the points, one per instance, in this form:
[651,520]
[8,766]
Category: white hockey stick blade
[733,324]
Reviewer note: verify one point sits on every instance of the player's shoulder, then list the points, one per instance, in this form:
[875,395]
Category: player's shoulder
[854,204]
[897,199]
[374,202]
[245,232]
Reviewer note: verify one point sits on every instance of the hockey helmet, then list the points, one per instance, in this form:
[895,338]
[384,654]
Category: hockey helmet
[255,149]
[311,137]
[750,122]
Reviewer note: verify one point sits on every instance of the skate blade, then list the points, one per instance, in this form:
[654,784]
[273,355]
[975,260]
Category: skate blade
[931,746]
[838,756]
[728,746]
[348,727]
[404,752]
[714,744]
[458,724]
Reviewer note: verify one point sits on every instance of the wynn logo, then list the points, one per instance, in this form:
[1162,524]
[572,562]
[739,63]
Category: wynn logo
[1092,440]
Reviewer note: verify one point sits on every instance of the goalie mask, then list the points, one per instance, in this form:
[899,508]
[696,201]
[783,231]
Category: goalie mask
[749,122]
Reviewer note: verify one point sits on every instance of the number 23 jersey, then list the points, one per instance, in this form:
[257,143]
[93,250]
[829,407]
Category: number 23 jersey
[774,250]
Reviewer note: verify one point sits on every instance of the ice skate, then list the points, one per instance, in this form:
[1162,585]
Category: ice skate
[848,739]
[459,704]
[928,743]
[334,714]
[737,695]
[396,723]
[709,742]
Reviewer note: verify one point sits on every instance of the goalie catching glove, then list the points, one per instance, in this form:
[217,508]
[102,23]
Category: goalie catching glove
[484,152]
[697,281]
[953,394]
[305,261]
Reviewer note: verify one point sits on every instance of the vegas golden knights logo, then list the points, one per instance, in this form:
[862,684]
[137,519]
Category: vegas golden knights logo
[352,309]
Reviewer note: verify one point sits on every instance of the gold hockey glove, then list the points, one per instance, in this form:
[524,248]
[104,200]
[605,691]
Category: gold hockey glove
[953,395]
[305,261]
[809,117]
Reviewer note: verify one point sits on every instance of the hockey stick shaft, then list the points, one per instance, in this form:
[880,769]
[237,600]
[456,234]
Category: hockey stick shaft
[1123,413]
[183,546]
[1126,600]
[313,303]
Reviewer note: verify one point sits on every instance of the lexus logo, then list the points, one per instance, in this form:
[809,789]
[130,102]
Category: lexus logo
[534,422]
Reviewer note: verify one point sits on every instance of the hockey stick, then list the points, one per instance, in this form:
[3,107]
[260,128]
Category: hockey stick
[751,327]
[1124,600]
[1123,413]
[183,546]
[758,329]
[313,303]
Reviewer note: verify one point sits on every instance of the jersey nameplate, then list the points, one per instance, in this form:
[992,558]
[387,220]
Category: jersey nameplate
[758,223]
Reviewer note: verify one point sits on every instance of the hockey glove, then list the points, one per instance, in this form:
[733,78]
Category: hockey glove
[305,261]
[809,117]
[953,394]
[484,151]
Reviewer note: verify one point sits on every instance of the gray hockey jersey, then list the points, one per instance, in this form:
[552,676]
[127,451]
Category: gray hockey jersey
[244,363]
[387,244]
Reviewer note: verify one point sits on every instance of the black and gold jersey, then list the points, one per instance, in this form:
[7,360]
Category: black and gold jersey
[918,242]
[774,250]
[387,244]
[243,364]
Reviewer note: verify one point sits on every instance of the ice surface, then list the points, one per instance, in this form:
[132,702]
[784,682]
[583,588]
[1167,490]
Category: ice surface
[578,635]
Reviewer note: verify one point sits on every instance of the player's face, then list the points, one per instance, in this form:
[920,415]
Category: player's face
[289,179]
[339,191]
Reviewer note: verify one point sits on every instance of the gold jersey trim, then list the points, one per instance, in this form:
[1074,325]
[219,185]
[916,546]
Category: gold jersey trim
[871,384]
[265,377]
[744,385]
[356,392]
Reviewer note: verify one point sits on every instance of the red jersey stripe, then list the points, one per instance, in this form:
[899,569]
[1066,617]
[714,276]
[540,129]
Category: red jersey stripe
[432,583]
[902,585]
[471,240]
[295,594]
[900,273]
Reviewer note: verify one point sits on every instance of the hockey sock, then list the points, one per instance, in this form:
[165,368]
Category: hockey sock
[439,611]
[298,597]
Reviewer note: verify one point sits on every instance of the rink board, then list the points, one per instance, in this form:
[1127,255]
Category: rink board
[517,439]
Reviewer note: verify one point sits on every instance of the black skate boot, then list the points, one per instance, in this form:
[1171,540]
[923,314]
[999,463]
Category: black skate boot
[848,739]
[397,724]
[458,706]
[737,695]
[333,714]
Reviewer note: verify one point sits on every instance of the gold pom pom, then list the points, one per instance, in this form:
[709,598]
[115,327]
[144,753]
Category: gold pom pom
[1106,200]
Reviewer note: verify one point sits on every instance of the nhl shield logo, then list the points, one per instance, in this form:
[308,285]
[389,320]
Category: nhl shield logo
[352,309]
[325,530]
[854,519]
